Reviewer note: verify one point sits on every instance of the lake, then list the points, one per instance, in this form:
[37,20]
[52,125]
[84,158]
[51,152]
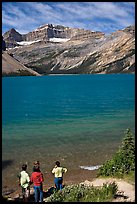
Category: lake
[76,119]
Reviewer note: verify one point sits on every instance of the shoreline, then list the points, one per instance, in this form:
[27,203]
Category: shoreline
[125,193]
[73,177]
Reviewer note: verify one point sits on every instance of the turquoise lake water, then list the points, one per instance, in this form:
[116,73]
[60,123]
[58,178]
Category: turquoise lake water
[77,119]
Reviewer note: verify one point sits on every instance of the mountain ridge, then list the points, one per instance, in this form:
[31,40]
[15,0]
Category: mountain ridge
[47,31]
[82,52]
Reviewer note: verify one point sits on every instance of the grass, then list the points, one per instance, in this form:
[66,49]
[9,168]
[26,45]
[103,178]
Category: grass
[130,178]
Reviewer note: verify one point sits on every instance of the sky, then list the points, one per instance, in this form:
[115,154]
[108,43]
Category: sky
[106,17]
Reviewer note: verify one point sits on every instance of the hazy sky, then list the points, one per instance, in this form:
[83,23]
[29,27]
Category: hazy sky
[96,16]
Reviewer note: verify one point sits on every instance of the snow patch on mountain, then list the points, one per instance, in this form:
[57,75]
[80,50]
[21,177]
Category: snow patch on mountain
[27,42]
[59,39]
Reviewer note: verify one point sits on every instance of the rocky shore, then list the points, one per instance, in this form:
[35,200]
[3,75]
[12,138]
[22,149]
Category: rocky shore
[126,191]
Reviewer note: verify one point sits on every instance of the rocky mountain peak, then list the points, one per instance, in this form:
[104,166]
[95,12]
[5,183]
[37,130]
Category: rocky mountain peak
[12,30]
[48,31]
[130,29]
[13,34]
[11,38]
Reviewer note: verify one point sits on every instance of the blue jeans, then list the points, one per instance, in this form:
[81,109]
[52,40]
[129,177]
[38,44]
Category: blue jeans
[58,183]
[38,191]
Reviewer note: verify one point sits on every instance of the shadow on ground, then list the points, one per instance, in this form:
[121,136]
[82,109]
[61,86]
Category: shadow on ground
[6,163]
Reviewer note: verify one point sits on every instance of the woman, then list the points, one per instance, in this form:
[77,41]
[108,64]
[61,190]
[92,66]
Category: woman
[37,179]
[58,173]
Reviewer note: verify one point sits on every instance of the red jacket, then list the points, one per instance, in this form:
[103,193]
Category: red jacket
[37,178]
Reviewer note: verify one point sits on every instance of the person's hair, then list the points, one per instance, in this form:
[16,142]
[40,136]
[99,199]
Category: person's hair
[36,163]
[57,163]
[36,169]
[24,167]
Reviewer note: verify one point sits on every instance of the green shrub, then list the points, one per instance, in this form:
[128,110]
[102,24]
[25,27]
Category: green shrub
[82,193]
[123,160]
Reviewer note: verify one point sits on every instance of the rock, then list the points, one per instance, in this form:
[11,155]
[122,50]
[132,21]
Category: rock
[11,38]
[86,52]
[8,192]
[46,32]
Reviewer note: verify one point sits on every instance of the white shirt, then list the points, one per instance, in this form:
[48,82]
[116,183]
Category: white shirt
[24,179]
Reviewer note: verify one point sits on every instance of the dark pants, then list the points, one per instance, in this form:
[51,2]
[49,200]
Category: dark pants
[58,183]
[25,193]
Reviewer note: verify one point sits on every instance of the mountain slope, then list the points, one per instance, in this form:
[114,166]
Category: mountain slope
[84,53]
[10,66]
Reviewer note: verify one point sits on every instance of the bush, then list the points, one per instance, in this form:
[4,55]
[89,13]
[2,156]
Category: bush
[82,193]
[123,161]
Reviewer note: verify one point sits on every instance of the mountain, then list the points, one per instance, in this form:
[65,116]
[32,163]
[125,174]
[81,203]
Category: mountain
[11,37]
[11,67]
[45,32]
[61,50]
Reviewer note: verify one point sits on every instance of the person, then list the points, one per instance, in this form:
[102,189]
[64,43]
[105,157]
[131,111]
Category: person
[36,164]
[37,180]
[24,182]
[58,172]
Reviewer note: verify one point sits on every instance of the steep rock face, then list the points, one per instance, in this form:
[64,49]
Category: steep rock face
[85,34]
[49,31]
[130,29]
[11,37]
[114,53]
[45,32]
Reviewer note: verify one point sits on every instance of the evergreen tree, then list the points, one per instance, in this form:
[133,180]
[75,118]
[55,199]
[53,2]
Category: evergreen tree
[123,160]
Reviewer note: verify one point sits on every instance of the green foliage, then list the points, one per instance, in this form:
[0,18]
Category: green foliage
[130,177]
[19,73]
[123,161]
[82,193]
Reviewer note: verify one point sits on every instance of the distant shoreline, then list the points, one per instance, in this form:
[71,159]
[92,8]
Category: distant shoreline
[8,75]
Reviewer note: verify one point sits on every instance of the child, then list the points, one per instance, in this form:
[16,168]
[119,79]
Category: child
[24,182]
